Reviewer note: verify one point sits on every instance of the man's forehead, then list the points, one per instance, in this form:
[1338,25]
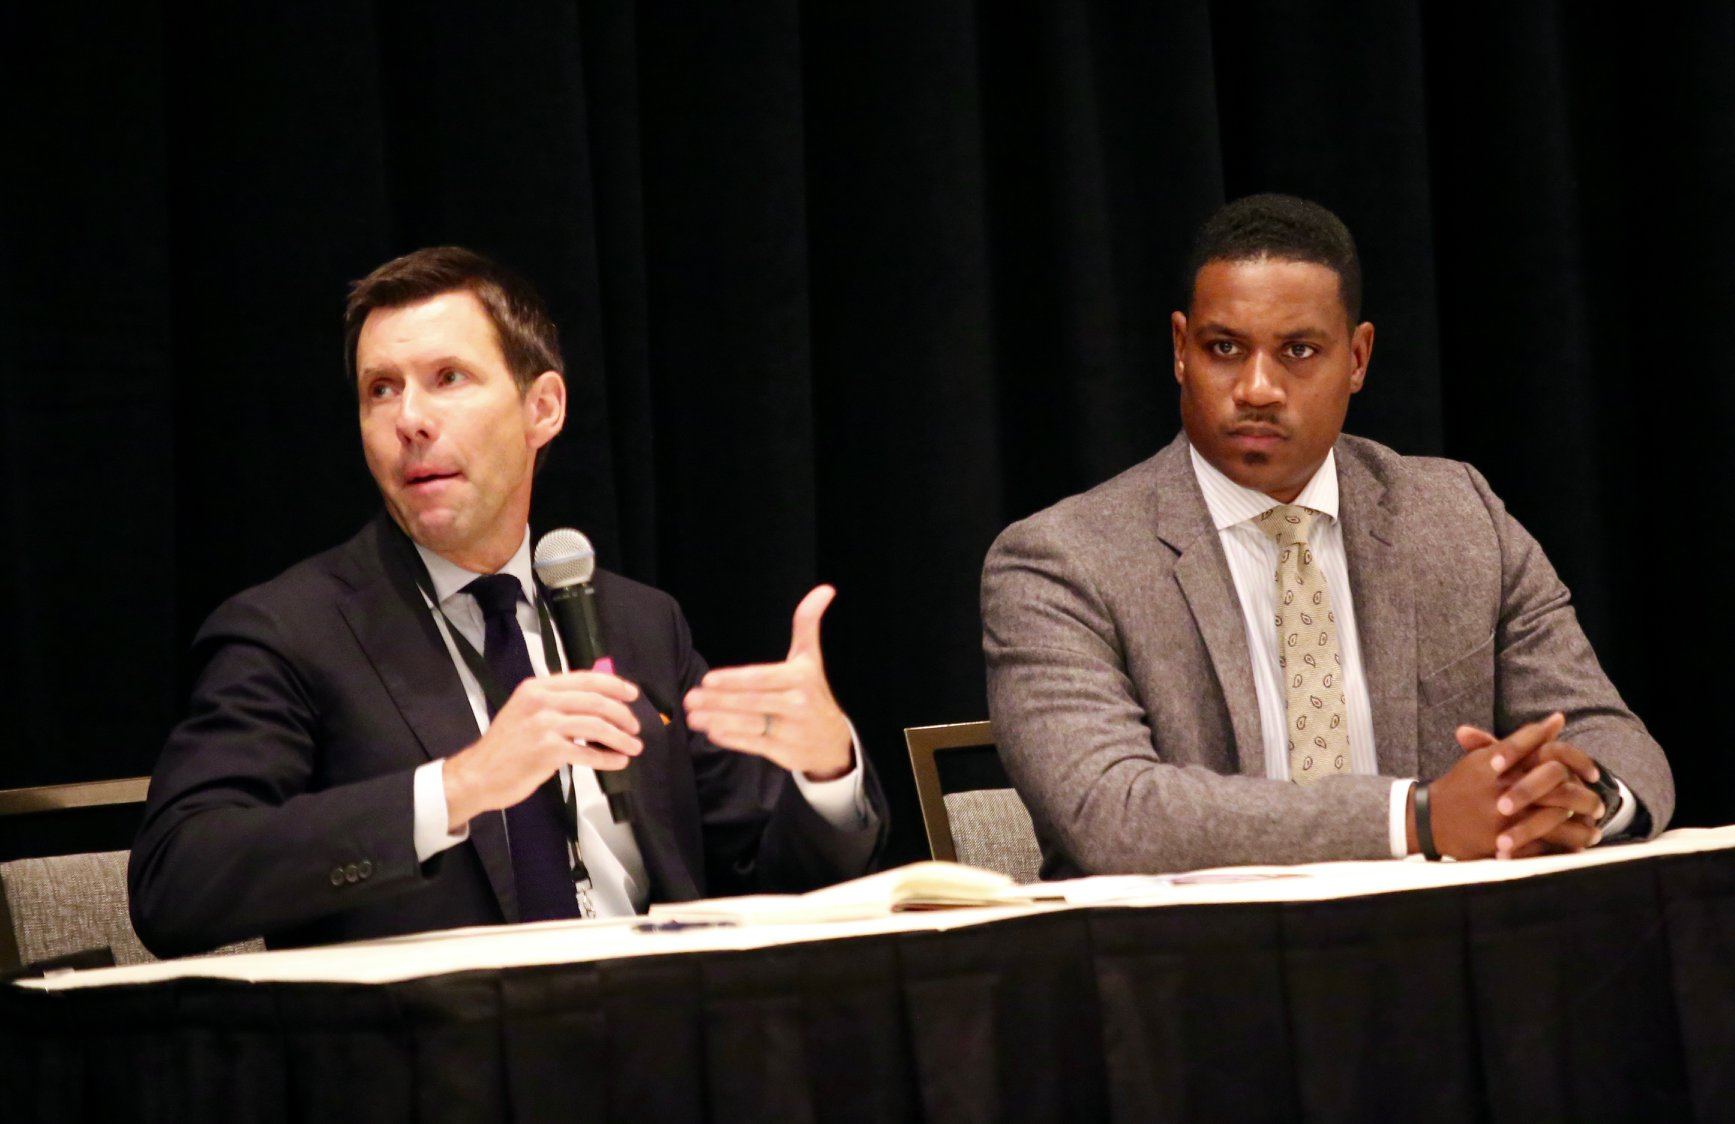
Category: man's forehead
[446,327]
[1268,295]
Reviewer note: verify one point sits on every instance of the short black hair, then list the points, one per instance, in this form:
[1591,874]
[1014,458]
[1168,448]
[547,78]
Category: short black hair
[1282,227]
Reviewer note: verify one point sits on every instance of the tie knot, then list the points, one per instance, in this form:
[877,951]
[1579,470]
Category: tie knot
[1287,523]
[497,594]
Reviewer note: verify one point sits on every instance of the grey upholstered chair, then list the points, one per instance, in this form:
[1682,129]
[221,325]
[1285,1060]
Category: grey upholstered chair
[69,903]
[64,904]
[969,808]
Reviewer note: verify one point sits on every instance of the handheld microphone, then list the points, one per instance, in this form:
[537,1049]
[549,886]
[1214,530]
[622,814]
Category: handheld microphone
[564,563]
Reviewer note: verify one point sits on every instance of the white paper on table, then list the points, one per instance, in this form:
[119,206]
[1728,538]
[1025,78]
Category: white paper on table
[1106,889]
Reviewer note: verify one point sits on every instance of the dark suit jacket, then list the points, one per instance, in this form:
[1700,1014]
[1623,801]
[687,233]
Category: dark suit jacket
[1122,693]
[318,695]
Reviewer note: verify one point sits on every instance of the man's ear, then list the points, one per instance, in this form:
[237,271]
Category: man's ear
[1361,350]
[1178,339]
[545,407]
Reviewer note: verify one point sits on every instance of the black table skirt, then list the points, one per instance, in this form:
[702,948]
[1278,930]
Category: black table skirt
[1597,994]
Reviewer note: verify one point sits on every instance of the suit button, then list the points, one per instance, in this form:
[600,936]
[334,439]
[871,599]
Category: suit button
[350,873]
[366,869]
[337,876]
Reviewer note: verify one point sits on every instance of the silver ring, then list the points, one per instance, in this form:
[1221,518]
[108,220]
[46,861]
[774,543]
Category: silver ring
[765,733]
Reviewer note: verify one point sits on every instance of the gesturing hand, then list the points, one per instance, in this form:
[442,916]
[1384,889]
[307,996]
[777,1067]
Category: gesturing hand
[1543,792]
[579,717]
[781,711]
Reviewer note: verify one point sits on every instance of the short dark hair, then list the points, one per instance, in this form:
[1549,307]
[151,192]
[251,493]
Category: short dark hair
[1283,227]
[529,341]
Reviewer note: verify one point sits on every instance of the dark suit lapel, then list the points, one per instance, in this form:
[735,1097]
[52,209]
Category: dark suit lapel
[398,635]
[1385,610]
[1184,522]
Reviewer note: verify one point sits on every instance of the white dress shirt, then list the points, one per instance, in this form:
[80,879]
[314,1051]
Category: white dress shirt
[1252,557]
[620,885]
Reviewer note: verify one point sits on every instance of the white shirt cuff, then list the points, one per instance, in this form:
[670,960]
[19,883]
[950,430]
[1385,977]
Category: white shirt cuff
[431,835]
[1397,829]
[1623,817]
[842,803]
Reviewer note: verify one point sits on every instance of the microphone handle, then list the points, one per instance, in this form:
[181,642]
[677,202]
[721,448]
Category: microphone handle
[574,611]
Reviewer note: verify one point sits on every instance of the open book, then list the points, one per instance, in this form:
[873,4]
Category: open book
[923,885]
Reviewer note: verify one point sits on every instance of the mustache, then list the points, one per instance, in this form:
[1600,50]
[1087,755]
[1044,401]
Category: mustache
[1260,417]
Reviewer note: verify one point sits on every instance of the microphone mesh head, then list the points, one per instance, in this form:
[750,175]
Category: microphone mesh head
[564,557]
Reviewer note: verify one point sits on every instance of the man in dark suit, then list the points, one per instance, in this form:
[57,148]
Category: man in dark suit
[342,773]
[1276,643]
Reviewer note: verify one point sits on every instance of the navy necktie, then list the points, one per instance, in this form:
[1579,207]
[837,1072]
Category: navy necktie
[535,826]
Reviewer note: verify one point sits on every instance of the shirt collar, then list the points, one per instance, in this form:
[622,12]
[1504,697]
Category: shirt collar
[1229,503]
[450,578]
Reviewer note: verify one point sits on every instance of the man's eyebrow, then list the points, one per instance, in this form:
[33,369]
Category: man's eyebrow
[438,363]
[1212,328]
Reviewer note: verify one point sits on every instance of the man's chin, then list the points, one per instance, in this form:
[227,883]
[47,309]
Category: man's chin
[1250,468]
[1258,472]
[436,529]
[1255,470]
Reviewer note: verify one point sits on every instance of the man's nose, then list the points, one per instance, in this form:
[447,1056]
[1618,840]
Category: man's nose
[417,422]
[1260,383]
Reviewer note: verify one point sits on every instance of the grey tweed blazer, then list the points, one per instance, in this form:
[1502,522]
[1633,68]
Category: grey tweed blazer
[1121,688]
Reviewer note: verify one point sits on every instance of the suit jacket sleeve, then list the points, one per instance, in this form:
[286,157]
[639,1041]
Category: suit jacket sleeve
[760,833]
[1544,663]
[233,843]
[1107,791]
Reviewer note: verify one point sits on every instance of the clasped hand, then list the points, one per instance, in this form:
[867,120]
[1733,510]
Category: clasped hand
[1513,797]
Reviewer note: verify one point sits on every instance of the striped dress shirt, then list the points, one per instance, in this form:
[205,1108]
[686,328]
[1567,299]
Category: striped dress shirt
[1252,557]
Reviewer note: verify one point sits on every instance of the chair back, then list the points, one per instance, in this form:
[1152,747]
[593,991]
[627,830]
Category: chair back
[65,904]
[55,906]
[969,809]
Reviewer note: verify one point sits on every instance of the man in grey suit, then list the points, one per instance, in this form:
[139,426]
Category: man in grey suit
[1248,648]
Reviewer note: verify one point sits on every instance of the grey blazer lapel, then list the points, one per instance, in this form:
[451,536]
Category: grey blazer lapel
[397,634]
[1385,609]
[1202,570]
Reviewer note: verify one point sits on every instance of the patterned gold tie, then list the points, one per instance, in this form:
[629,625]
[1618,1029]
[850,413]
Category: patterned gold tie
[1307,651]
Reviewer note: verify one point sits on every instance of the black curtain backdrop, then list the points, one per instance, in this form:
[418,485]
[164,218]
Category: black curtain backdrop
[844,290]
